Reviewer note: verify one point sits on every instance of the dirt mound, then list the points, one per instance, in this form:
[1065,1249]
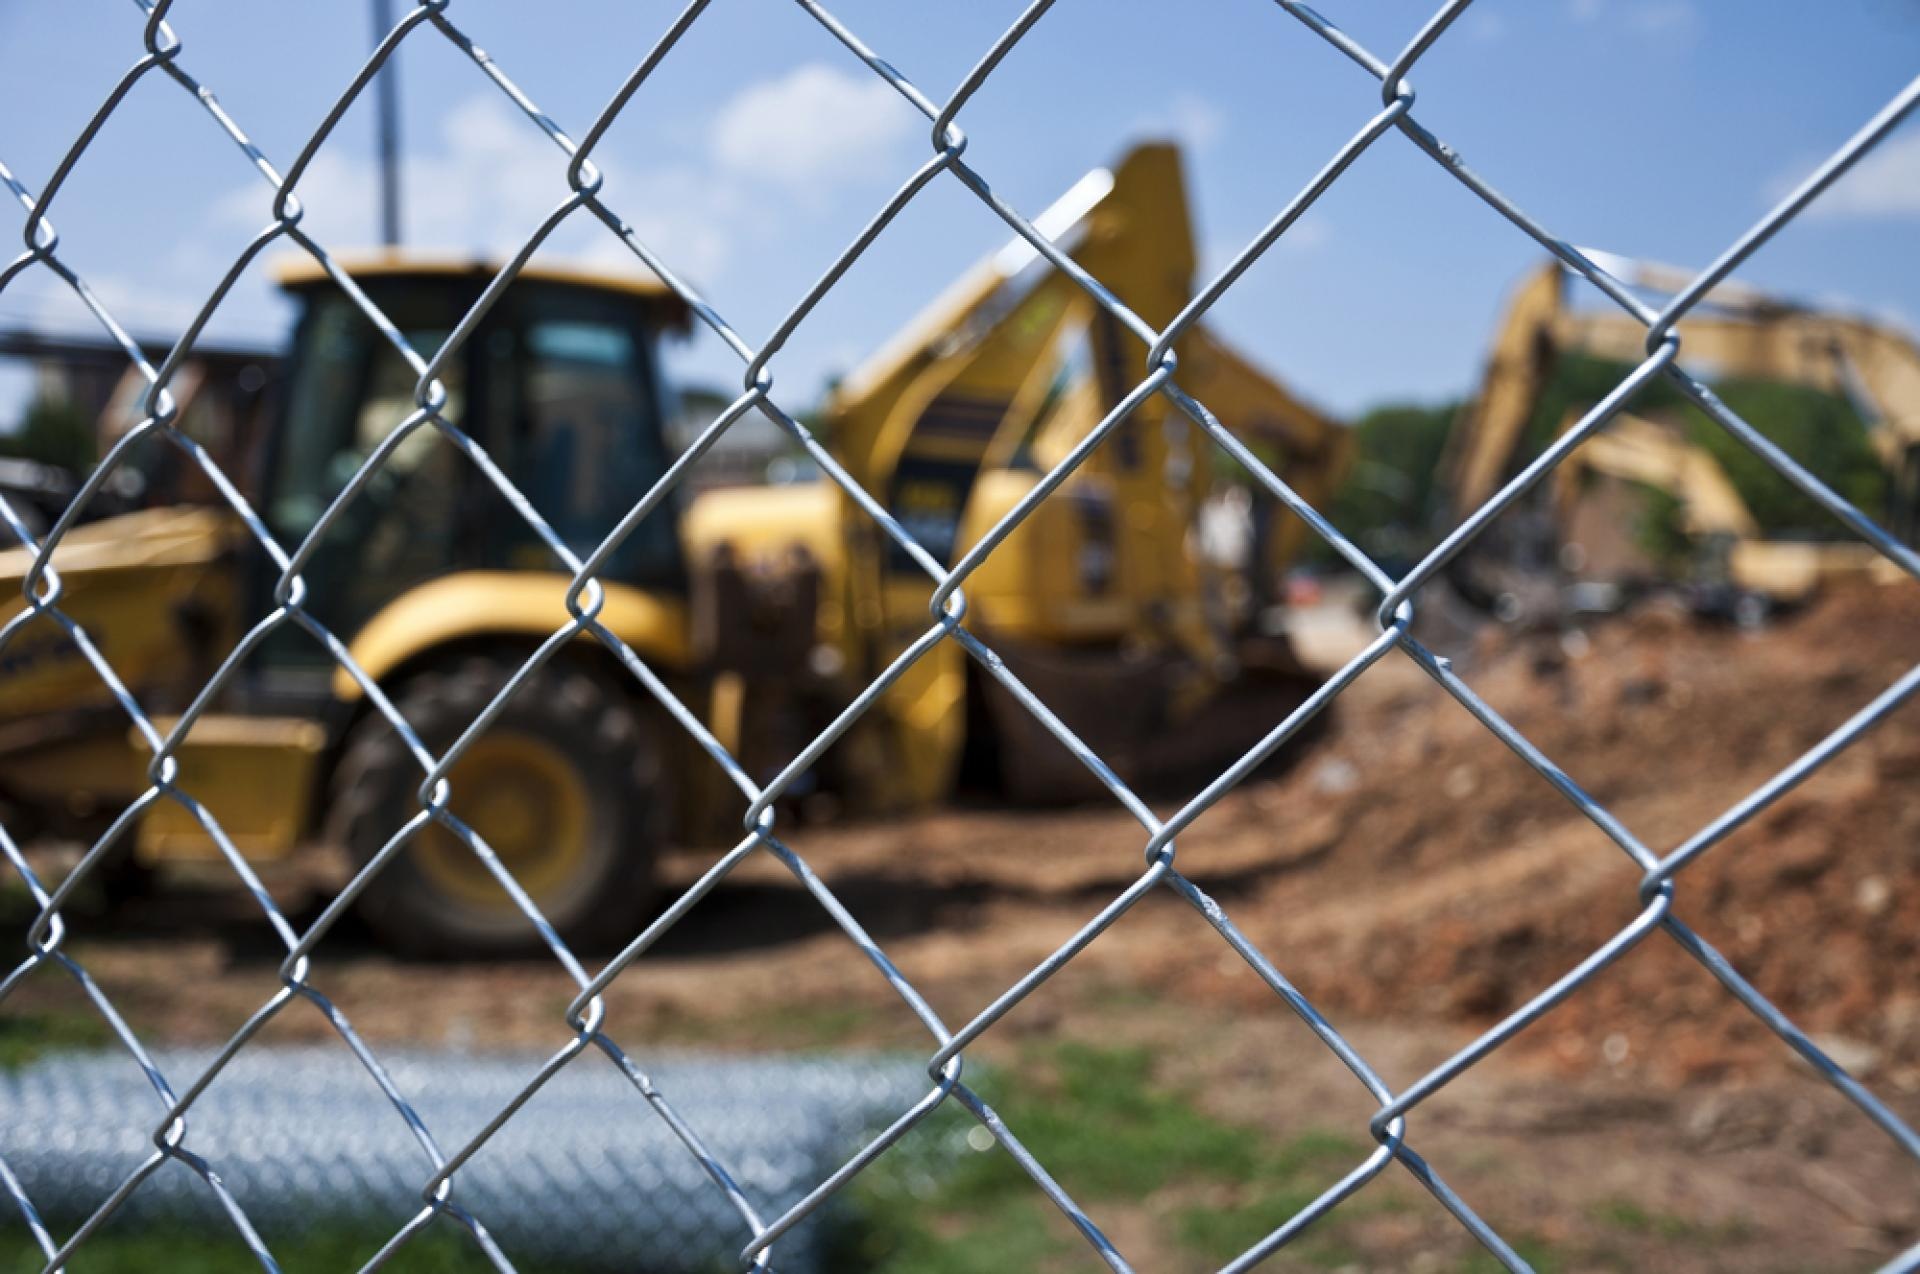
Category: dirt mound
[1456,882]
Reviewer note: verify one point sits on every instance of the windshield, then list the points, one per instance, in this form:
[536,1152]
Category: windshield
[557,384]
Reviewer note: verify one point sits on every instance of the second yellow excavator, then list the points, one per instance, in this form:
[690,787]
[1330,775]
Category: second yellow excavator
[1643,502]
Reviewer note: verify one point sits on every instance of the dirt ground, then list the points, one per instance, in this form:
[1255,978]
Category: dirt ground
[1412,877]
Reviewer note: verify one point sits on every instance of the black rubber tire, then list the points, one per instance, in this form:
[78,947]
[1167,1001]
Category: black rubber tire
[598,730]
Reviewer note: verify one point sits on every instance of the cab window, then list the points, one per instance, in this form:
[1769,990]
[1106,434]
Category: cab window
[577,380]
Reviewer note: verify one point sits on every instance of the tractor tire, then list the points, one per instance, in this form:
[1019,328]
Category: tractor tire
[565,787]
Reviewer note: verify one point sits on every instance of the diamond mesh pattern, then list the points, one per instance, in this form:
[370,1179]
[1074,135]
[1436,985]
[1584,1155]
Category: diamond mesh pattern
[580,191]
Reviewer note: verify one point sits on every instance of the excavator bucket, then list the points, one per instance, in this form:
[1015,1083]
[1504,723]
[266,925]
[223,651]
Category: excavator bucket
[1163,726]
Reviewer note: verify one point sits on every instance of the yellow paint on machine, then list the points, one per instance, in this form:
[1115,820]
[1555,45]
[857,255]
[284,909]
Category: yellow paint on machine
[256,774]
[948,429]
[530,604]
[127,582]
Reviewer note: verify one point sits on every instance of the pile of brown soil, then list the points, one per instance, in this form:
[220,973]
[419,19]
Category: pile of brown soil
[1443,877]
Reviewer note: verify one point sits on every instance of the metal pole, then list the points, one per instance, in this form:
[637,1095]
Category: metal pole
[386,89]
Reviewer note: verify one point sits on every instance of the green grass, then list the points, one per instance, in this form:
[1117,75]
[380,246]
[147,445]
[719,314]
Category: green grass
[216,1250]
[25,1036]
[815,1026]
[1101,1129]
[1632,1218]
[1284,1182]
[1532,1251]
[17,908]
[1110,1136]
[1116,1140]
[786,1028]
[1623,1214]
[1220,1234]
[898,1235]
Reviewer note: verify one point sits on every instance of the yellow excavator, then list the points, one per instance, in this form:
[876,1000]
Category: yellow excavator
[1576,543]
[764,609]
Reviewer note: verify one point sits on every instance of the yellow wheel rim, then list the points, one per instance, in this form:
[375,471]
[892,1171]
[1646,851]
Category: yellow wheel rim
[528,803]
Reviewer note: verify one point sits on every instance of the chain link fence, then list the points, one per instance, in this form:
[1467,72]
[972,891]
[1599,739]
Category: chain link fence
[580,192]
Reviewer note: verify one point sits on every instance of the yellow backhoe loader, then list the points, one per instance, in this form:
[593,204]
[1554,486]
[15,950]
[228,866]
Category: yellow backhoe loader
[1581,538]
[765,609]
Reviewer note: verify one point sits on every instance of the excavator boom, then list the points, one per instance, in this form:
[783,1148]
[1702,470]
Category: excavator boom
[955,421]
[1735,332]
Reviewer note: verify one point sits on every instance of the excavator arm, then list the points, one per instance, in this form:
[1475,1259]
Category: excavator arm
[1636,450]
[1480,449]
[1735,332]
[954,423]
[957,417]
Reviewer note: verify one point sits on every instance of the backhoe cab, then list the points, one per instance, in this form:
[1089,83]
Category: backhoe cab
[764,609]
[436,584]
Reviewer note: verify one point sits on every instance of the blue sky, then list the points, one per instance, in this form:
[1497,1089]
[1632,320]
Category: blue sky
[1655,128]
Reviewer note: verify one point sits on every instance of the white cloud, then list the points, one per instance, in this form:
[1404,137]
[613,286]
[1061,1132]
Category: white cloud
[1885,182]
[1484,26]
[813,125]
[1196,121]
[481,181]
[486,182]
[1193,121]
[1310,233]
[1306,234]
[1676,18]
[48,304]
[1670,20]
[489,178]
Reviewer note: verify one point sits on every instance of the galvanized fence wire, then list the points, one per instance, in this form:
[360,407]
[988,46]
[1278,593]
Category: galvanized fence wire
[581,189]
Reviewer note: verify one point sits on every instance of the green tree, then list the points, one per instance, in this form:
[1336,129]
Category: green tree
[53,431]
[1819,430]
[1390,500]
